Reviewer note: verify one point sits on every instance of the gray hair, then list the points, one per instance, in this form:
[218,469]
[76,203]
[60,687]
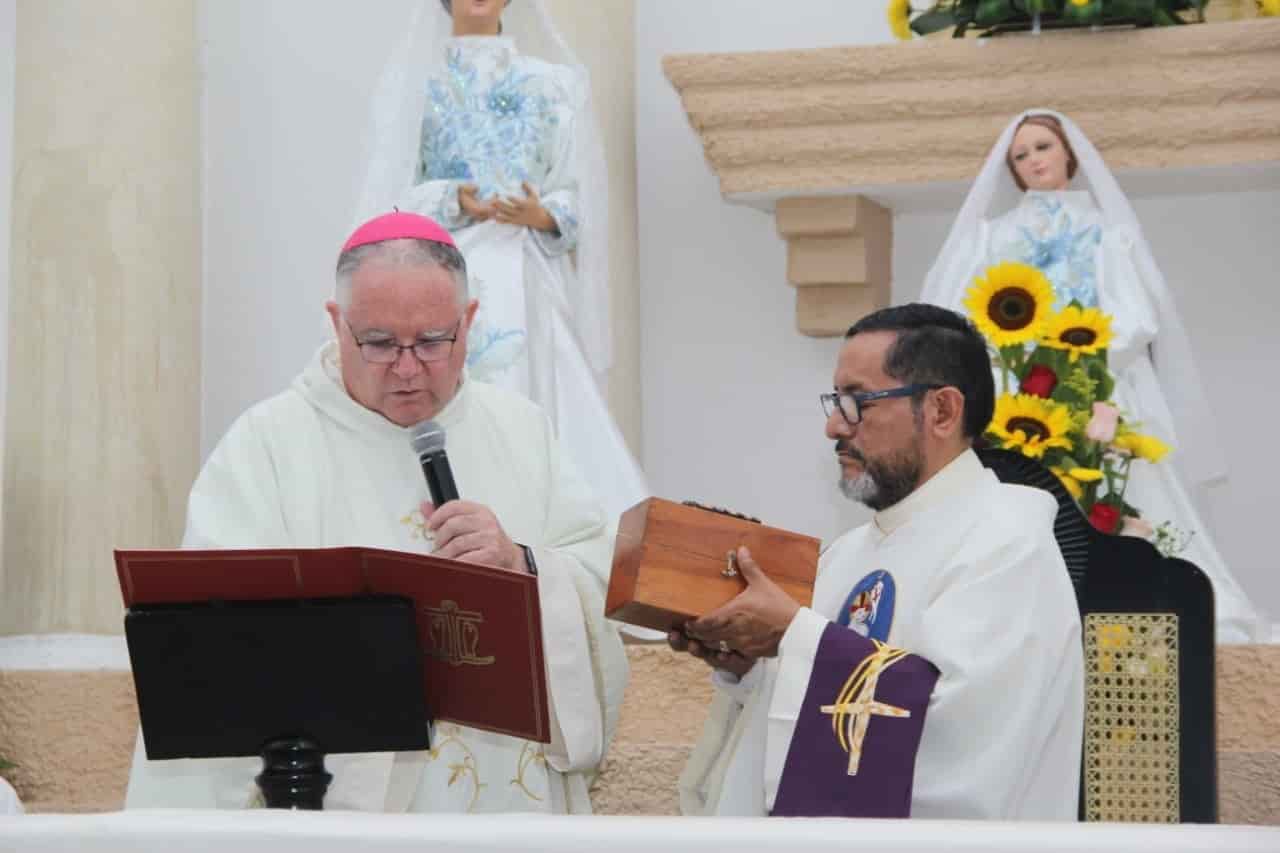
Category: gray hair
[405,252]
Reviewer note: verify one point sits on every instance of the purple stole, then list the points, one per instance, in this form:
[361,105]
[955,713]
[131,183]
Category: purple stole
[853,752]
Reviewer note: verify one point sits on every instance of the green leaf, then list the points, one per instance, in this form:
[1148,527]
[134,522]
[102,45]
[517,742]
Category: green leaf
[937,18]
[1097,371]
[991,12]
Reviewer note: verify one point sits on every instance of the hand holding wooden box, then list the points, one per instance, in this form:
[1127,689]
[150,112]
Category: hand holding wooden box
[675,562]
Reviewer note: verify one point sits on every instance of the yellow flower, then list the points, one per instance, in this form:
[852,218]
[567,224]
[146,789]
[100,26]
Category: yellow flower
[1071,484]
[899,14]
[1079,2]
[1086,475]
[1078,331]
[1030,424]
[1011,305]
[1146,447]
[1266,8]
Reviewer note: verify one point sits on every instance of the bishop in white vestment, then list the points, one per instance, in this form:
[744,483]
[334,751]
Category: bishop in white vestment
[939,671]
[328,462]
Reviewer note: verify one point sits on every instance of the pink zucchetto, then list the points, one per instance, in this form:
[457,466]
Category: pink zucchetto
[398,226]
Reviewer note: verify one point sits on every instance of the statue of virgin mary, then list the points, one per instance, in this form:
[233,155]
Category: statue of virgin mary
[1045,197]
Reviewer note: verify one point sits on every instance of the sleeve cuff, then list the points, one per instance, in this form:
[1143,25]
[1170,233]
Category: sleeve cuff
[803,635]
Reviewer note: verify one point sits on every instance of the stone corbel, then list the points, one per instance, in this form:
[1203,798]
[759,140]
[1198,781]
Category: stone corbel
[839,252]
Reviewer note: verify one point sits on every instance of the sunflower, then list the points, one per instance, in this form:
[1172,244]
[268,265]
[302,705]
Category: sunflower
[1079,331]
[899,14]
[1071,484]
[1146,447]
[1030,424]
[1011,304]
[1269,8]
[1086,475]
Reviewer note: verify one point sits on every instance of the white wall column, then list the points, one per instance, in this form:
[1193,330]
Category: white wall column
[102,425]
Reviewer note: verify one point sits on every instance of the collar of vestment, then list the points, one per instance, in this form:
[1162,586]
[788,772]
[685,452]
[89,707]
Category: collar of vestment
[961,475]
[321,383]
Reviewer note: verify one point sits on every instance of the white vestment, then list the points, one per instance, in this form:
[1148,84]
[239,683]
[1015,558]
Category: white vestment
[313,468]
[980,591]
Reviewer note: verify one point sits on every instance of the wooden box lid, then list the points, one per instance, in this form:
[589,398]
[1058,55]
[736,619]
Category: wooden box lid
[672,562]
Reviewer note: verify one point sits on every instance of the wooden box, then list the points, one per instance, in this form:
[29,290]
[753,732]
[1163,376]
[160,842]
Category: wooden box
[675,562]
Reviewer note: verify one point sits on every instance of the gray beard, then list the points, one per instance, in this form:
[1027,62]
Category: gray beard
[862,489]
[888,485]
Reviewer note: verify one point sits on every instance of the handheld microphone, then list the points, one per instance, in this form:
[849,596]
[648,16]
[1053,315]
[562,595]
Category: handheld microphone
[427,438]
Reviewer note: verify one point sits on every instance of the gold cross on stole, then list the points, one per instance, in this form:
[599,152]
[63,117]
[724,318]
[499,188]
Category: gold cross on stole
[855,712]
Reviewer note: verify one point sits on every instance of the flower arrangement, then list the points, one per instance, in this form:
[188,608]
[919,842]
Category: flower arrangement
[994,16]
[1054,396]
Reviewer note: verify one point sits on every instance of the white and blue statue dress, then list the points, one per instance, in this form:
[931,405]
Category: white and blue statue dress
[1090,247]
[496,119]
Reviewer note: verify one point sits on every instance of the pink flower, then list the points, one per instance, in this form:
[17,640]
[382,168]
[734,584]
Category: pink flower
[1102,426]
[1134,526]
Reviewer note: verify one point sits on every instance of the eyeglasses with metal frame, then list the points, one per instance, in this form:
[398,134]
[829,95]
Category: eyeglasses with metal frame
[425,350]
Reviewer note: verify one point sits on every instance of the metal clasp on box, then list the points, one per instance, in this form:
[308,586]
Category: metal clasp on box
[730,569]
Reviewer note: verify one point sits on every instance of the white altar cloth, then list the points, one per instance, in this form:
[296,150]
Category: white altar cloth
[322,832]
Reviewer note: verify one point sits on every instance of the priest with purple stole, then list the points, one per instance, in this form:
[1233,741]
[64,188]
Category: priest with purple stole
[939,672]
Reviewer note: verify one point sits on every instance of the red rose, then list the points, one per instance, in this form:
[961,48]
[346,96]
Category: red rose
[1105,517]
[1040,381]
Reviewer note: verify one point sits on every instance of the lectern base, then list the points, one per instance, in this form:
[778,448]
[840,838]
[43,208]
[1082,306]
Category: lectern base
[293,774]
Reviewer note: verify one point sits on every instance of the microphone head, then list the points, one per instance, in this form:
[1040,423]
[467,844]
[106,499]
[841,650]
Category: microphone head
[426,437]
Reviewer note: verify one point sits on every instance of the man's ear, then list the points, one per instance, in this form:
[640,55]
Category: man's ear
[947,417]
[335,316]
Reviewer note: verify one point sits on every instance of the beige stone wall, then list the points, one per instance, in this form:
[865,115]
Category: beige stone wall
[1249,734]
[101,437]
[72,735]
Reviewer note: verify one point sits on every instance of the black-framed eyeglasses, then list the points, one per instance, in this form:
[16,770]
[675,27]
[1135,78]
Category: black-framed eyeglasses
[425,350]
[850,403]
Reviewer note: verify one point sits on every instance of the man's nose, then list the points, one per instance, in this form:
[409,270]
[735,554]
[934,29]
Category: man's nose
[406,364]
[837,426]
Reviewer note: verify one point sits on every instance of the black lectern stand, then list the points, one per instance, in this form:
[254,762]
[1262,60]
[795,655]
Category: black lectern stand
[287,680]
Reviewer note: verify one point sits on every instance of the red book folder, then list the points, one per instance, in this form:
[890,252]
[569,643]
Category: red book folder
[481,627]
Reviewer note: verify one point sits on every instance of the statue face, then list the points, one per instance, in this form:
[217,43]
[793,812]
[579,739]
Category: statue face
[1039,158]
[476,17]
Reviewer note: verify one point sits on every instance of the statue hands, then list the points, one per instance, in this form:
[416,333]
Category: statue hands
[480,211]
[527,211]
